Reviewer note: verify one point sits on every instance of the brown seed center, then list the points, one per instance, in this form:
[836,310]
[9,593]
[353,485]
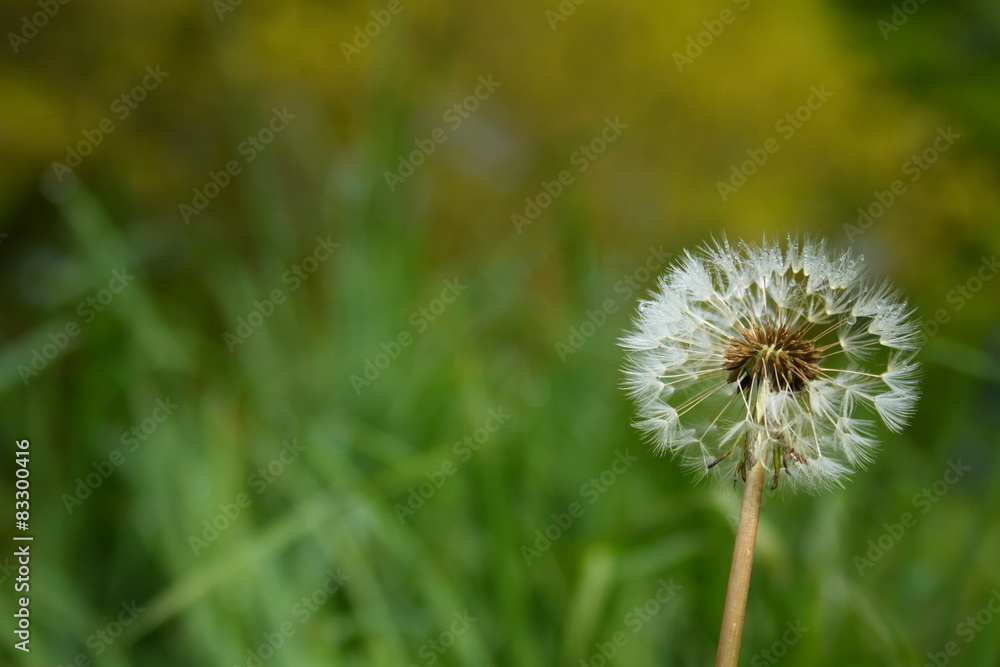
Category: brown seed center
[776,355]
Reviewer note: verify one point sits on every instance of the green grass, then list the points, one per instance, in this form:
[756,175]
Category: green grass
[331,515]
[336,506]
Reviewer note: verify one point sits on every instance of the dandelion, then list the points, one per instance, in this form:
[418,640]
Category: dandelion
[760,362]
[787,354]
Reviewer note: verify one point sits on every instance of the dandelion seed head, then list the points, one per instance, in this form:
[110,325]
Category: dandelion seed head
[778,354]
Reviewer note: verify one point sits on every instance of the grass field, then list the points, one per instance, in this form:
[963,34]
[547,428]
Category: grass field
[337,417]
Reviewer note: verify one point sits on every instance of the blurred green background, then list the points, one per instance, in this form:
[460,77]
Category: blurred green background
[353,401]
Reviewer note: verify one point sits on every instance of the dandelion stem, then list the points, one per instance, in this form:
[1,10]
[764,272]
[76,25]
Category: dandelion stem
[739,574]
